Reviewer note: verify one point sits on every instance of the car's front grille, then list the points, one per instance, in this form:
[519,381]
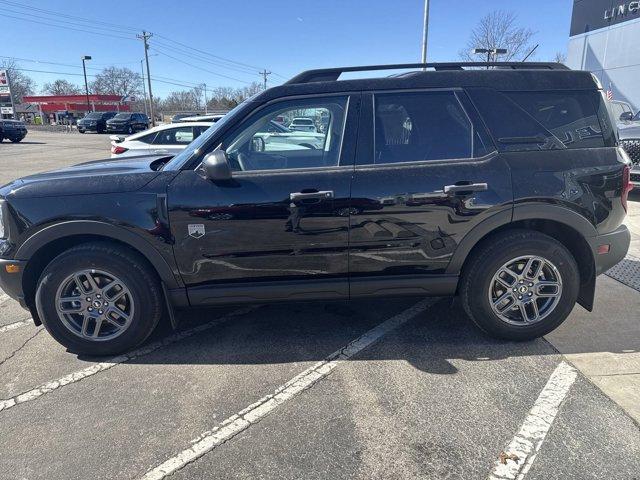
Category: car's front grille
[632,147]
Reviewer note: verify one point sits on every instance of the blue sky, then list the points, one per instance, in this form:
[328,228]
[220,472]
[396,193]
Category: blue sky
[283,36]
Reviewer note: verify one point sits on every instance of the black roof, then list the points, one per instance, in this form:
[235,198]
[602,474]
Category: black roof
[502,76]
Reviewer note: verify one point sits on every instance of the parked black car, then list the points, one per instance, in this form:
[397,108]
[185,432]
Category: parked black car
[95,122]
[125,122]
[13,130]
[503,186]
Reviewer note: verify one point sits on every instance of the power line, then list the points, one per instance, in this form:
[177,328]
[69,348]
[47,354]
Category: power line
[31,60]
[67,28]
[202,58]
[92,23]
[155,49]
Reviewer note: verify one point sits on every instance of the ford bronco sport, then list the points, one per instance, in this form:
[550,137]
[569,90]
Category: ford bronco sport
[502,185]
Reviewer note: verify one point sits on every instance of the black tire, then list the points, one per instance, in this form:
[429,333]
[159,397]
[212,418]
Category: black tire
[81,131]
[128,267]
[16,140]
[491,256]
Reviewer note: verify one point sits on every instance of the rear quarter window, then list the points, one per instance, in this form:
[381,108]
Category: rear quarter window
[548,120]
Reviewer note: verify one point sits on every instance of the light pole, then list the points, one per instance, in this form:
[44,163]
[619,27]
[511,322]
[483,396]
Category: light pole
[144,89]
[86,85]
[425,32]
[489,52]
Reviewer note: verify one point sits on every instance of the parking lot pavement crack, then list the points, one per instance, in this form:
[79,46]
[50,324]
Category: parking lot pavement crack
[103,366]
[23,345]
[255,412]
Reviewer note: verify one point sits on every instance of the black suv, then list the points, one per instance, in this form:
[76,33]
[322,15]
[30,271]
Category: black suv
[95,122]
[13,130]
[503,186]
[125,122]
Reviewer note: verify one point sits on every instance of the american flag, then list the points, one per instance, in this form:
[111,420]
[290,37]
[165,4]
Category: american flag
[610,92]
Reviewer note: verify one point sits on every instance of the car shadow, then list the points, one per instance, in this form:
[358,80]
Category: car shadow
[433,341]
[22,142]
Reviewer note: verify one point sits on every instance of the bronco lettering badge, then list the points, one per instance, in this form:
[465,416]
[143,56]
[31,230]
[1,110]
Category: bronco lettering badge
[196,230]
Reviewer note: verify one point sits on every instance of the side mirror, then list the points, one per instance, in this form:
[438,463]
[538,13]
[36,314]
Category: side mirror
[626,116]
[257,144]
[216,167]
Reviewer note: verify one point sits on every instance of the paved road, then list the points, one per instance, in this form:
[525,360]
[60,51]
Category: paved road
[390,388]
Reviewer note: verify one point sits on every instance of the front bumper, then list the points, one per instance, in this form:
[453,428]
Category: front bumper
[117,128]
[11,283]
[618,242]
[88,128]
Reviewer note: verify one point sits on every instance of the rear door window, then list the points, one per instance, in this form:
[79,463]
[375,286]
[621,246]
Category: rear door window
[419,126]
[174,136]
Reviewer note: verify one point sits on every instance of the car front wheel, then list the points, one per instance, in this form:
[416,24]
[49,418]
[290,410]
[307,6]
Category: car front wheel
[99,299]
[520,285]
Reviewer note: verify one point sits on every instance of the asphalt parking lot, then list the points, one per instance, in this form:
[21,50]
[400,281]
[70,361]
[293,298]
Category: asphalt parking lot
[389,388]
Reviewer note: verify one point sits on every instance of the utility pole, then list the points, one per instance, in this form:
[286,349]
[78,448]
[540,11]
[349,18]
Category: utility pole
[145,37]
[86,85]
[264,74]
[144,89]
[425,33]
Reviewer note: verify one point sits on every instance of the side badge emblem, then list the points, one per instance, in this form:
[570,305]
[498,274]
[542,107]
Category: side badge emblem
[196,230]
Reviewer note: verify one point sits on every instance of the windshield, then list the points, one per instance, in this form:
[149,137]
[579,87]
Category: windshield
[122,116]
[94,115]
[193,147]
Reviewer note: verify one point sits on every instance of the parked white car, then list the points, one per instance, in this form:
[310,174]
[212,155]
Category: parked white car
[167,139]
[303,124]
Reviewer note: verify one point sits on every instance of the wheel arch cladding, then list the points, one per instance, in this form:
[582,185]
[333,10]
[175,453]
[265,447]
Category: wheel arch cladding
[561,224]
[45,245]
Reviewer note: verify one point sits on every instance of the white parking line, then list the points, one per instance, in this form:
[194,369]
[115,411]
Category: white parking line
[14,325]
[235,424]
[527,442]
[100,367]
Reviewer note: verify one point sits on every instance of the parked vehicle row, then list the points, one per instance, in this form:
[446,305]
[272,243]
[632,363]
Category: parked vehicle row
[503,186]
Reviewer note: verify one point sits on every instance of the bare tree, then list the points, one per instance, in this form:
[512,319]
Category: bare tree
[181,101]
[499,29]
[560,57]
[21,84]
[227,97]
[117,81]
[61,87]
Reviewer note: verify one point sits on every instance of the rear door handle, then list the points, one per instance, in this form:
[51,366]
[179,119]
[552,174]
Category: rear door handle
[317,195]
[471,187]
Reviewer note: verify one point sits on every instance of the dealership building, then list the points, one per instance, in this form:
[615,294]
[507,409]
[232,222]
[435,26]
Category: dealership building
[605,39]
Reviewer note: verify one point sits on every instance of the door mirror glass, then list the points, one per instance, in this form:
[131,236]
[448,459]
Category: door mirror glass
[257,144]
[626,116]
[216,167]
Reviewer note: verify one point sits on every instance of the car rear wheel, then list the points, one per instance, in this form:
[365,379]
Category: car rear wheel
[520,285]
[16,140]
[99,299]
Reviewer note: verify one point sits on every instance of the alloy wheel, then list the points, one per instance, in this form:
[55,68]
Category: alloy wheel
[525,290]
[94,305]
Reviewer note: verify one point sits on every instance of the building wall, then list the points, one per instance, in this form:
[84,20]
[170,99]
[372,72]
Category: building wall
[610,48]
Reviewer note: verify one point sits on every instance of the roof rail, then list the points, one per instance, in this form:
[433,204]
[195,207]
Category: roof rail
[332,74]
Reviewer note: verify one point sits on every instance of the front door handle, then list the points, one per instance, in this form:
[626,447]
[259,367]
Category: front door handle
[313,195]
[470,187]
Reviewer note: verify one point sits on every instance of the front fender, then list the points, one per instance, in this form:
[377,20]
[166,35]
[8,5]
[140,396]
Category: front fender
[43,237]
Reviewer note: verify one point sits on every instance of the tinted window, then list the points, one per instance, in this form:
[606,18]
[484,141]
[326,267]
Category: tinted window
[570,116]
[174,136]
[417,126]
[122,116]
[254,147]
[148,138]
